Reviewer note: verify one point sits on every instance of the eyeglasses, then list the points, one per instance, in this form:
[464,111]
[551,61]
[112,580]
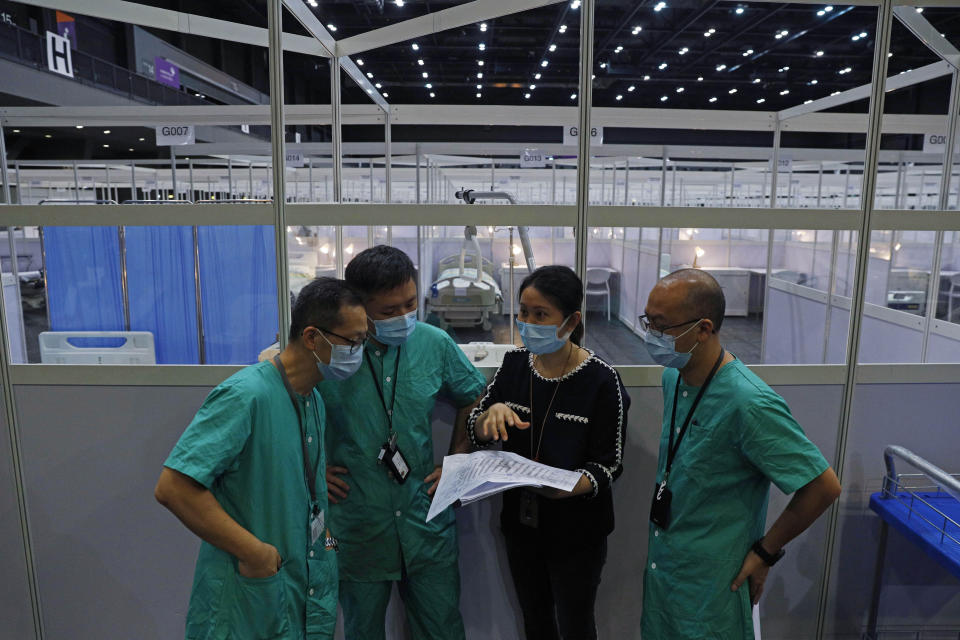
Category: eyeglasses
[658,332]
[354,344]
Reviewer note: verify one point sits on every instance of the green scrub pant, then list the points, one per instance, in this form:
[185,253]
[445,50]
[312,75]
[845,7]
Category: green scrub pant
[431,598]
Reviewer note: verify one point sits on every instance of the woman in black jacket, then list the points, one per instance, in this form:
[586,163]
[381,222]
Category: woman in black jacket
[559,404]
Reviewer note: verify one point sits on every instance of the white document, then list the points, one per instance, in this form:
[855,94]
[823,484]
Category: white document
[470,477]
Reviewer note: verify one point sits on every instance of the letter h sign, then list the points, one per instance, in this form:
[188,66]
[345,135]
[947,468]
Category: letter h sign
[59,59]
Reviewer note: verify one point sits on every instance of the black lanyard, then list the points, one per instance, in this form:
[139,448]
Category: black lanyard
[671,449]
[309,472]
[376,381]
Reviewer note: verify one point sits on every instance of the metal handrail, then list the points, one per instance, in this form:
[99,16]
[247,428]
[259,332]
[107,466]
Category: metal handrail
[236,201]
[158,202]
[76,201]
[946,481]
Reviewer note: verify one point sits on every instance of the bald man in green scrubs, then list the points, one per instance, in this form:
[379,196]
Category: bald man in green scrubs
[726,436]
[386,408]
[247,476]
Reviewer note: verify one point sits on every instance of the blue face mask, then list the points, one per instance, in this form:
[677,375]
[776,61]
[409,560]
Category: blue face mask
[395,331]
[663,349]
[542,338]
[343,364]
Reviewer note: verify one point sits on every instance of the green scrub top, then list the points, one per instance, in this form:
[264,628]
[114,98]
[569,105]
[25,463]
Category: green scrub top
[741,438]
[381,521]
[244,446]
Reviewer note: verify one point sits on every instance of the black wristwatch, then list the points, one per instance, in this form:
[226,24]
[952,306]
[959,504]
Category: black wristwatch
[768,558]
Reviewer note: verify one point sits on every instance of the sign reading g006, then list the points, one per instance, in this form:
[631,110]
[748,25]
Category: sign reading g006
[175,134]
[571,134]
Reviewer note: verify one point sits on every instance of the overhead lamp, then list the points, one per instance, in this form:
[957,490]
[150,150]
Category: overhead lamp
[645,78]
[483,26]
[747,52]
[732,91]
[683,51]
[378,86]
[761,100]
[536,77]
[479,86]
[721,67]
[819,54]
[785,92]
[18,131]
[429,85]
[482,46]
[106,146]
[331,27]
[664,98]
[79,126]
[46,135]
[527,96]
[756,81]
[386,95]
[863,34]
[399,3]
[919,9]
[479,63]
[415,46]
[480,75]
[855,37]
[369,91]
[573,96]
[699,78]
[783,69]
[532,87]
[663,65]
[478,95]
[679,89]
[433,95]
[828,8]
[618,49]
[631,88]
[637,29]
[544,64]
[420,61]
[563,28]
[712,99]
[360,62]
[781,34]
[814,81]
[142,139]
[807,101]
[603,65]
[821,13]
[106,131]
[575,4]
[369,75]
[660,6]
[739,11]
[553,48]
[130,149]
[835,93]
[619,96]
[425,74]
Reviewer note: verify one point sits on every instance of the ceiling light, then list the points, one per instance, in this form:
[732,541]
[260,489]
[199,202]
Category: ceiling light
[429,85]
[553,47]
[819,53]
[919,9]
[781,34]
[679,89]
[479,63]
[142,139]
[619,96]
[663,65]
[106,131]
[536,77]
[360,61]
[415,46]
[732,91]
[645,78]
[130,149]
[425,74]
[16,130]
[331,27]
[709,32]
[660,6]
[683,51]
[433,95]
[106,146]
[532,87]
[699,78]
[663,98]
[573,96]
[828,8]
[637,29]
[712,99]
[761,100]
[855,38]
[575,4]
[378,86]
[889,55]
[785,92]
[544,64]
[46,135]
[478,95]
[631,88]
[721,67]
[821,13]
[563,28]
[480,75]
[399,3]
[482,46]
[756,81]
[603,65]
[79,126]
[369,75]
[479,87]
[807,101]
[386,95]
[420,61]
[527,96]
[814,81]
[483,26]
[739,11]
[782,69]
[863,34]
[617,50]
[835,93]
[369,91]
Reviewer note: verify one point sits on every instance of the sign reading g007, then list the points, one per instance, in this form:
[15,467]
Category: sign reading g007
[175,134]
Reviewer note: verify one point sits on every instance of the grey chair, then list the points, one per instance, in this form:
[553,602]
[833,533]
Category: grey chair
[598,284]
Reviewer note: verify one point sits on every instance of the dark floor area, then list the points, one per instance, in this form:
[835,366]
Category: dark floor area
[619,345]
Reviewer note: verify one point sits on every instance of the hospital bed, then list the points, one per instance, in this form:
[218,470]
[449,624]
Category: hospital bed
[925,508]
[465,294]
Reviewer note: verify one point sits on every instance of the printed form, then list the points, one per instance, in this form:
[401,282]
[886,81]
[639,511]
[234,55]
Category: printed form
[473,476]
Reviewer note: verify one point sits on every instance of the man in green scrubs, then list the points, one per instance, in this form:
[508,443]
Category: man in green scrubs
[387,406]
[726,436]
[247,476]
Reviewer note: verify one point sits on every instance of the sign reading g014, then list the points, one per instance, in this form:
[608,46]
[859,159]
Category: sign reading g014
[175,134]
[571,134]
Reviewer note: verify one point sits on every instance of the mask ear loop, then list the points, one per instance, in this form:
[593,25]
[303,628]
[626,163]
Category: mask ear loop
[570,333]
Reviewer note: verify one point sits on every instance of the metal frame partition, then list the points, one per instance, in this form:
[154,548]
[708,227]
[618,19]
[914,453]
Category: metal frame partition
[580,216]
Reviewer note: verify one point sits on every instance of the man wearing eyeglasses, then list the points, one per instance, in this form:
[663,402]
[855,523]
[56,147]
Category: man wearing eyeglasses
[381,474]
[726,436]
[248,477]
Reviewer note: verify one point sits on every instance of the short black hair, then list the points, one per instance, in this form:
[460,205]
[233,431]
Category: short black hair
[379,268]
[319,304]
[705,297]
[562,287]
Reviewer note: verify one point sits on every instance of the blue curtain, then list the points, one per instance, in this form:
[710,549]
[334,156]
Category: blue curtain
[238,285]
[162,290]
[83,279]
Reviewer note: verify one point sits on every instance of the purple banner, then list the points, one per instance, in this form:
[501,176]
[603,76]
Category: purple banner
[67,28]
[165,72]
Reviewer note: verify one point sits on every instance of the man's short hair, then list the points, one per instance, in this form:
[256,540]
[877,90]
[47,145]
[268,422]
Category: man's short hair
[705,297]
[319,305]
[379,268]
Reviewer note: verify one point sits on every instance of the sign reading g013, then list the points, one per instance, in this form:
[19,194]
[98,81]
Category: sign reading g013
[571,134]
[175,134]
